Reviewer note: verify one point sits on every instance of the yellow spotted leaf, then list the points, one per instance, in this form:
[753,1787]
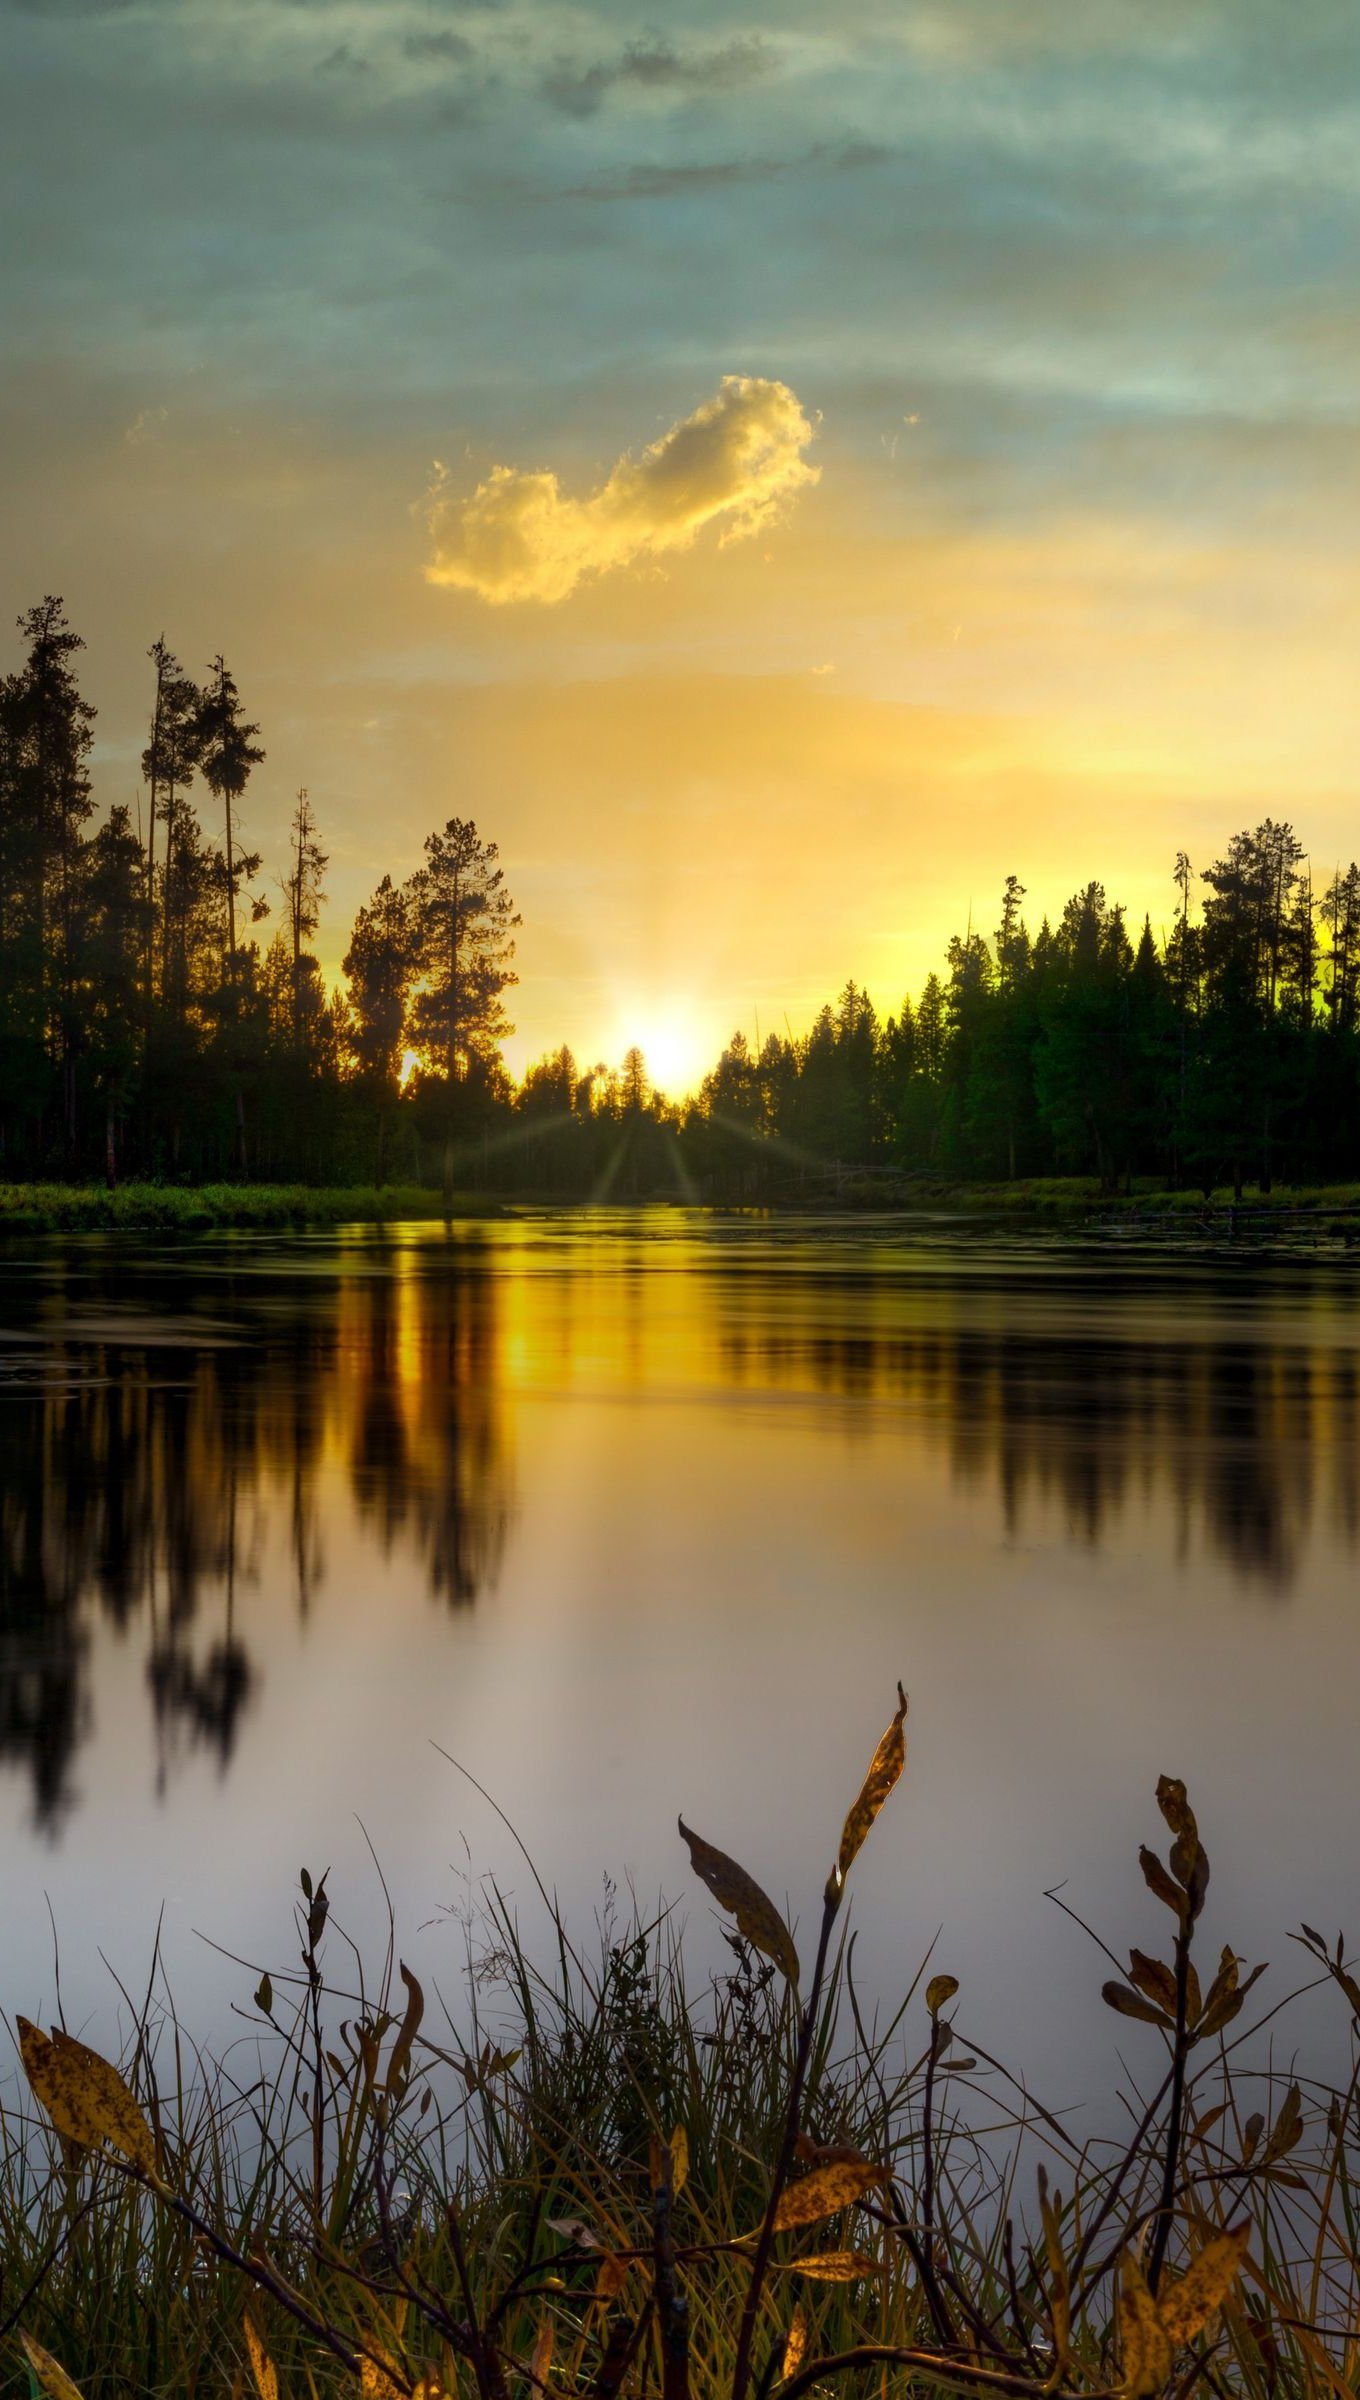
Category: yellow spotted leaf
[679,2161]
[1186,2306]
[86,2098]
[54,2379]
[884,1768]
[1144,2340]
[833,2266]
[742,1897]
[612,2276]
[837,2185]
[541,2361]
[375,2382]
[795,2348]
[261,2364]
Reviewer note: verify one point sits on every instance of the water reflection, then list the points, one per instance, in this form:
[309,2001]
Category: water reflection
[186,1432]
[1248,1438]
[158,1434]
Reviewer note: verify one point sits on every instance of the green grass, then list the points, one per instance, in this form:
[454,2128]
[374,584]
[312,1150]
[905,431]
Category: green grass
[27,1208]
[36,1208]
[584,2178]
[1078,1196]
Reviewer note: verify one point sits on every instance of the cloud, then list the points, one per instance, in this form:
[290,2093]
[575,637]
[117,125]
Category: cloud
[342,61]
[654,181]
[444,44]
[656,66]
[147,426]
[735,461]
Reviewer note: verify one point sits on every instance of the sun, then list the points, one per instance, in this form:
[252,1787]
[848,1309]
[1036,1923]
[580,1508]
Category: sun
[671,1042]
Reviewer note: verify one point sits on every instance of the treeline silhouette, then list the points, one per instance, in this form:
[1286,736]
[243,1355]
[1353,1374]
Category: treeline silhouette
[147,1027]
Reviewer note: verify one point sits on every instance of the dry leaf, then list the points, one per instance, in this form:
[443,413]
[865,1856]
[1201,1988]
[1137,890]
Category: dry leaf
[795,2348]
[541,2361]
[832,2266]
[1154,1980]
[679,2161]
[1145,2342]
[1288,2127]
[940,1990]
[399,2064]
[576,2231]
[261,2364]
[1129,2004]
[86,2098]
[884,1768]
[1176,1809]
[742,1897]
[837,2185]
[612,2276]
[1186,2306]
[54,2379]
[1157,1880]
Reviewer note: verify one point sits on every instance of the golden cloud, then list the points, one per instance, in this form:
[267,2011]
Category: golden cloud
[737,462]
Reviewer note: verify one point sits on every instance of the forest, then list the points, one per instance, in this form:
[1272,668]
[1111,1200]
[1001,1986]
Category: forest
[149,1028]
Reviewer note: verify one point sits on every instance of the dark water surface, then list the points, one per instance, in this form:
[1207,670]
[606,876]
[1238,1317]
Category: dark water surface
[639,1514]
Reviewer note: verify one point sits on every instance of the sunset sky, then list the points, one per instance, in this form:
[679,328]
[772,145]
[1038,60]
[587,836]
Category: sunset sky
[777,469]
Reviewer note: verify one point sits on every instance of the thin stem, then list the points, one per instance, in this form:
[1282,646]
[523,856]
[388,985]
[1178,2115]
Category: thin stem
[1161,2232]
[760,2264]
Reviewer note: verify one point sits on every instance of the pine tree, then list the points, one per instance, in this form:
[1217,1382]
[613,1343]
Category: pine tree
[379,965]
[463,922]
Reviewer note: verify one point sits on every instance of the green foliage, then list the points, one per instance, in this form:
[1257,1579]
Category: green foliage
[27,1208]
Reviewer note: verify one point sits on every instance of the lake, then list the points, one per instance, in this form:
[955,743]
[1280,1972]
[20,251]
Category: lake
[646,1513]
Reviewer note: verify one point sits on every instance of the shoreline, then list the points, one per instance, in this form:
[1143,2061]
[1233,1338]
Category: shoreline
[42,1208]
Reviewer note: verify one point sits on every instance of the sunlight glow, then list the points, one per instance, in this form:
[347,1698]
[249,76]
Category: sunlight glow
[675,1047]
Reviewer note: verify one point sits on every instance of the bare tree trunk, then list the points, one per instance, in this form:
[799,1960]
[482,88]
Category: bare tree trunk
[231,901]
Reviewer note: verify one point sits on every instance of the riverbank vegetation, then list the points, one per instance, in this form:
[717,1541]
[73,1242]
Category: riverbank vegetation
[1330,1210]
[198,1208]
[584,2179]
[153,1027]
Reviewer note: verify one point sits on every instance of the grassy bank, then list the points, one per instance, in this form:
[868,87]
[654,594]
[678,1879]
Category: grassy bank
[32,1208]
[174,1208]
[591,2181]
[1077,1197]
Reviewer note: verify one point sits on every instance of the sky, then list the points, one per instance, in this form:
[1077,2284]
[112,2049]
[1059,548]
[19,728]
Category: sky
[778,470]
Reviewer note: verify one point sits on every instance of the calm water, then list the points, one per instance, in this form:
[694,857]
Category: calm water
[635,1516]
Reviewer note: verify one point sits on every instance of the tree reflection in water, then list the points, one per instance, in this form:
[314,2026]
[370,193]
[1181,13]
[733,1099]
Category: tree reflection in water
[186,1437]
[147,1449]
[1247,1438]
